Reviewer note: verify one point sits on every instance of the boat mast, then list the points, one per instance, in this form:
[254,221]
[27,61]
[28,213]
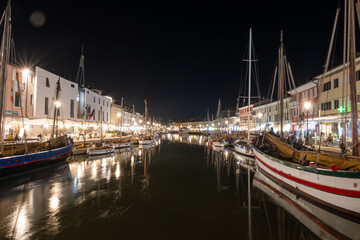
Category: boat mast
[101,119]
[122,116]
[218,117]
[250,43]
[133,115]
[56,110]
[5,45]
[352,79]
[281,84]
[85,115]
[145,117]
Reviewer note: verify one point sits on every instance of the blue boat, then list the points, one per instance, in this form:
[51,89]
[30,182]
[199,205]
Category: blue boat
[23,163]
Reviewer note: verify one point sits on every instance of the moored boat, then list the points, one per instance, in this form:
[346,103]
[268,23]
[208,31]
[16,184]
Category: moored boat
[122,143]
[81,149]
[242,147]
[338,189]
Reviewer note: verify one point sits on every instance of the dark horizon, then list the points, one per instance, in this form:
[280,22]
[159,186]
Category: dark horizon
[181,57]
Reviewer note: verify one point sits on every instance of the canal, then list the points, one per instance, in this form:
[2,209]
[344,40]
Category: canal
[178,189]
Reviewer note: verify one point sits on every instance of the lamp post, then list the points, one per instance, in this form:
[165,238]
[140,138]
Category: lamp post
[307,106]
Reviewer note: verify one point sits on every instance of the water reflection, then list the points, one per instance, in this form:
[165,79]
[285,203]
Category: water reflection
[186,138]
[39,204]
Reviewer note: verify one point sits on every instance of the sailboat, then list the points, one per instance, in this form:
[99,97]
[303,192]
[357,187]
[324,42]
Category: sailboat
[217,140]
[241,146]
[25,157]
[147,139]
[101,148]
[80,78]
[122,142]
[329,179]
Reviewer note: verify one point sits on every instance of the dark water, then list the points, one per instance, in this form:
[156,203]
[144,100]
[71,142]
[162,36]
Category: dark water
[178,189]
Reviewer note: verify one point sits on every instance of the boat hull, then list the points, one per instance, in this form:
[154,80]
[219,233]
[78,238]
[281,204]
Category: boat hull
[245,150]
[15,165]
[339,190]
[146,142]
[220,144]
[123,145]
[95,152]
[80,151]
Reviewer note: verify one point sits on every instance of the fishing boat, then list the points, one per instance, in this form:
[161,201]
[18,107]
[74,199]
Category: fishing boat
[241,146]
[101,148]
[328,178]
[218,142]
[146,139]
[122,142]
[321,221]
[217,139]
[81,149]
[20,158]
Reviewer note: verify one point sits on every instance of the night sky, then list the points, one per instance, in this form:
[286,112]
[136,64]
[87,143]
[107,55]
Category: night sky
[179,55]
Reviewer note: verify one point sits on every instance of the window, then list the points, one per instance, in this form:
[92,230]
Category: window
[31,99]
[336,104]
[71,108]
[17,99]
[103,118]
[87,92]
[275,117]
[327,86]
[325,106]
[93,117]
[336,83]
[32,79]
[107,104]
[286,116]
[311,93]
[99,100]
[46,106]
[315,92]
[94,100]
[72,85]
[296,112]
[99,116]
[269,118]
[103,103]
[358,75]
[47,82]
[107,116]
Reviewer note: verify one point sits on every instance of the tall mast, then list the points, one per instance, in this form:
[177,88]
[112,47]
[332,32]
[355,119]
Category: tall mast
[145,117]
[249,93]
[101,119]
[352,79]
[85,115]
[56,109]
[281,83]
[133,115]
[5,45]
[80,76]
[218,117]
[122,116]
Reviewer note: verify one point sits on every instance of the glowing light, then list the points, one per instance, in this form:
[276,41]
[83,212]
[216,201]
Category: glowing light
[260,115]
[226,122]
[26,71]
[118,114]
[57,104]
[307,105]
[46,125]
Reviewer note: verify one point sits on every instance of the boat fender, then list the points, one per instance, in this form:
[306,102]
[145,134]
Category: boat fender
[211,142]
[312,164]
[333,167]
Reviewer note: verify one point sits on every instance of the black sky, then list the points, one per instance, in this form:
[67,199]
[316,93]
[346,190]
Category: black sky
[179,55]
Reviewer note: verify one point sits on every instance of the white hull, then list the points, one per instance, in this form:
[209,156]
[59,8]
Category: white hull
[321,222]
[339,190]
[220,144]
[94,152]
[245,161]
[246,150]
[186,131]
[146,142]
[123,145]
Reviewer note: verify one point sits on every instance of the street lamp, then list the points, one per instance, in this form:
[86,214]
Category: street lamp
[307,106]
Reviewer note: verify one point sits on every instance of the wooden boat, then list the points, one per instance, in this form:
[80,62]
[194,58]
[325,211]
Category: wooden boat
[55,151]
[147,140]
[81,149]
[101,149]
[122,143]
[218,142]
[242,147]
[321,221]
[335,186]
